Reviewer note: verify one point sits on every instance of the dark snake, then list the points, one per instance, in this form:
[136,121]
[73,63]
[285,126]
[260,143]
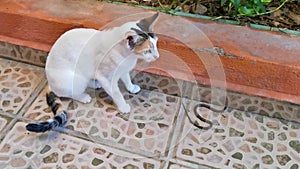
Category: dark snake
[205,105]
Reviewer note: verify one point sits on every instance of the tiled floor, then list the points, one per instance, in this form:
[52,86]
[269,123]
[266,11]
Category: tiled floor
[156,134]
[18,81]
[146,128]
[241,140]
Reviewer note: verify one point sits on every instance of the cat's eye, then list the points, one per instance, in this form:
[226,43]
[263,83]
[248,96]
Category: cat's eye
[147,51]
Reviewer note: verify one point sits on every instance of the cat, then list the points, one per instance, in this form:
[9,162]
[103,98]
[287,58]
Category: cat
[84,57]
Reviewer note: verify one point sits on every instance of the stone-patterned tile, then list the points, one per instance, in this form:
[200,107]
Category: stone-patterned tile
[3,64]
[241,140]
[206,93]
[56,150]
[177,166]
[3,122]
[266,107]
[147,127]
[186,166]
[243,102]
[17,81]
[22,53]
[158,83]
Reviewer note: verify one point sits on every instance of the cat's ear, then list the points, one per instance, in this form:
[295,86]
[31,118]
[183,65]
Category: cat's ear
[147,24]
[131,39]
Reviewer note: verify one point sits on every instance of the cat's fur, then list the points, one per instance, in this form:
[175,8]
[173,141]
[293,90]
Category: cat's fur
[83,58]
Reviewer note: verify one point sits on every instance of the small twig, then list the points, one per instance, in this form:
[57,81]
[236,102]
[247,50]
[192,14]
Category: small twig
[160,4]
[184,2]
[216,18]
[172,4]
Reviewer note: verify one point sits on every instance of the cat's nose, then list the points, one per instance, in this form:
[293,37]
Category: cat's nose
[156,56]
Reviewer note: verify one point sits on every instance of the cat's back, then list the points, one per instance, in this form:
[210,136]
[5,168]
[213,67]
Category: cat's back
[78,34]
[74,37]
[69,44]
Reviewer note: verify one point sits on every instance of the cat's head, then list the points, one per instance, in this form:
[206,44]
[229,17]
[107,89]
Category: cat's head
[142,41]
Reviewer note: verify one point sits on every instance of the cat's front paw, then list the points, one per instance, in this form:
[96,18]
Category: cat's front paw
[83,98]
[134,89]
[124,108]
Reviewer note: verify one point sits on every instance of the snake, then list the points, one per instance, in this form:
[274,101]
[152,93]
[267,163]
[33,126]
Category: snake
[208,106]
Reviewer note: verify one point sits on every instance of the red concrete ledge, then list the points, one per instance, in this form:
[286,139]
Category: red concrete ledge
[255,62]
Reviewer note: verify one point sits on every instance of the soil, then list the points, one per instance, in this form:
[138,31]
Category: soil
[288,16]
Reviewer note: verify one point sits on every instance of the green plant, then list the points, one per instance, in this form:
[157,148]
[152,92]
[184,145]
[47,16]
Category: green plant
[251,7]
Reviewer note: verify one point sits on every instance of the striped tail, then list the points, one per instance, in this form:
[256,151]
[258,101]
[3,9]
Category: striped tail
[58,120]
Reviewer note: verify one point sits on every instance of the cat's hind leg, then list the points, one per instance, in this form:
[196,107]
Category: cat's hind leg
[132,88]
[69,84]
[80,83]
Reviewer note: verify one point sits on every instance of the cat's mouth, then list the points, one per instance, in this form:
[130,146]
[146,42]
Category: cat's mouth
[152,59]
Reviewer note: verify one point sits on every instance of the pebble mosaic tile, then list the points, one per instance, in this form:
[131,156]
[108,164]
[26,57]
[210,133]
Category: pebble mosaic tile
[3,122]
[243,102]
[240,140]
[147,127]
[263,106]
[22,53]
[176,166]
[17,81]
[56,150]
[244,136]
[158,83]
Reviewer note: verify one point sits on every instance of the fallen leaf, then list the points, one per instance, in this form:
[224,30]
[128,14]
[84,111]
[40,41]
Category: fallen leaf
[199,9]
[294,17]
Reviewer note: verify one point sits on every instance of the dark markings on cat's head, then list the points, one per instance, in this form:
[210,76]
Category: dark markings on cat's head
[140,33]
[147,24]
[151,35]
[141,39]
[137,39]
[131,42]
[143,31]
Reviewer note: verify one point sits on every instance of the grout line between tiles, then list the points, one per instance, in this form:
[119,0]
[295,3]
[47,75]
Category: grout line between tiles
[15,116]
[171,158]
[173,135]
[129,149]
[6,129]
[109,143]
[187,164]
[187,90]
[176,132]
[19,115]
[33,96]
[178,124]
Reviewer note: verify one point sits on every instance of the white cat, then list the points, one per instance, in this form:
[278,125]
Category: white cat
[83,58]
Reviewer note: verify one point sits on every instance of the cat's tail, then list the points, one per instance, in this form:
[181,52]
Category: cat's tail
[60,116]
